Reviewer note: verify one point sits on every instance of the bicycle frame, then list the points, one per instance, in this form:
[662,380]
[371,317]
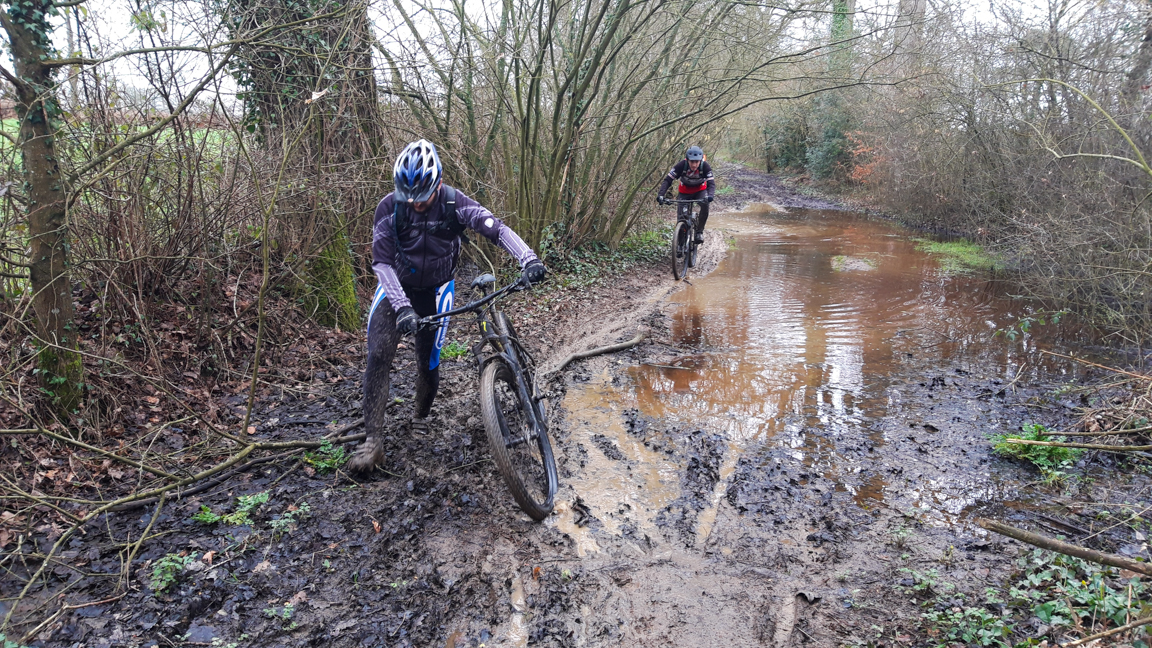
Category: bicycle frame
[502,346]
[692,214]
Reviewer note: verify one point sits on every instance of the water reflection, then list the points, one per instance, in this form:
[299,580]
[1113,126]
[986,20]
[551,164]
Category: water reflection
[814,318]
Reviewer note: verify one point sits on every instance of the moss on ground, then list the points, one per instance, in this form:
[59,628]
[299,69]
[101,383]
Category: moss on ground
[959,257]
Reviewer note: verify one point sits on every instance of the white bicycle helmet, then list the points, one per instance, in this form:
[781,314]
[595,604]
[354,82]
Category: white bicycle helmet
[417,172]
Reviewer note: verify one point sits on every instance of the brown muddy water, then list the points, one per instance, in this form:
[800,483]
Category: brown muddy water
[815,328]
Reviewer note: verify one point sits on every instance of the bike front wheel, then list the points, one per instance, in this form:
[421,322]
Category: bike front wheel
[681,240]
[519,441]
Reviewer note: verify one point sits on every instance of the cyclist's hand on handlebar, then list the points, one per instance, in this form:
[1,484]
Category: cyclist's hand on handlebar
[534,272]
[659,200]
[710,199]
[406,320]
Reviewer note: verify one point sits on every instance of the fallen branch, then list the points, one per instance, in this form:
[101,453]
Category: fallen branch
[134,548]
[1098,366]
[32,633]
[611,348]
[1109,633]
[104,453]
[1108,433]
[1059,546]
[293,447]
[1083,446]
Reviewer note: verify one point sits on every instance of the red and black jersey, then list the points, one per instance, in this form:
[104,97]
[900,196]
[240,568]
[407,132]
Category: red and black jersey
[691,182]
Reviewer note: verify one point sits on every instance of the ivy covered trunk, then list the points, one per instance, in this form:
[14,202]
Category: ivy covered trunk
[331,292]
[59,368]
[314,82]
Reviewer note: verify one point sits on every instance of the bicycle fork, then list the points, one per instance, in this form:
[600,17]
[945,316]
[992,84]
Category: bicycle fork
[509,355]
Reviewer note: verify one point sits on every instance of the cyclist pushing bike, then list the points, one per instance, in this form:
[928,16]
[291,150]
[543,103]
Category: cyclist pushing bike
[696,183]
[415,249]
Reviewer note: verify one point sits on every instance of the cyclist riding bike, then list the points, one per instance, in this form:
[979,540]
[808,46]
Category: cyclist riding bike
[415,249]
[695,176]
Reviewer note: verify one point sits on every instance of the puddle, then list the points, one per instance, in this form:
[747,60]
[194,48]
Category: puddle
[814,322]
[518,625]
[620,479]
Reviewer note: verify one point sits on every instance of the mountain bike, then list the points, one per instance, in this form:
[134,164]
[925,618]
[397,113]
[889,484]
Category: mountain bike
[509,401]
[684,237]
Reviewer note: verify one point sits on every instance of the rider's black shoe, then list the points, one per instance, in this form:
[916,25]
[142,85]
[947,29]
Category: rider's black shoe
[368,455]
[419,426]
[699,238]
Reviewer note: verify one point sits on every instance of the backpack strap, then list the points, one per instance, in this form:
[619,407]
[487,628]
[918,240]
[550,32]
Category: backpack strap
[450,208]
[450,221]
[400,222]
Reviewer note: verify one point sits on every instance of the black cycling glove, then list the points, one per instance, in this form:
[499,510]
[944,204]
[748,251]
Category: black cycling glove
[534,271]
[710,198]
[660,200]
[406,320]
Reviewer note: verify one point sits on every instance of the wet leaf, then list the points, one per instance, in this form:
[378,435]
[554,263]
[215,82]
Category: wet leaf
[208,556]
[251,429]
[376,525]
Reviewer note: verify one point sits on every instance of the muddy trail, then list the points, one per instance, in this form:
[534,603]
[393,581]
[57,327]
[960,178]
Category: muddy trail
[804,426]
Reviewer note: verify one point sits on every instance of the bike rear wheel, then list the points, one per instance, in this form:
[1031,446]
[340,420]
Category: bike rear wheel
[680,249]
[523,456]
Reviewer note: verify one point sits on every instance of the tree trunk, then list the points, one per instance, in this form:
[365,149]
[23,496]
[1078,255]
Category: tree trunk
[37,108]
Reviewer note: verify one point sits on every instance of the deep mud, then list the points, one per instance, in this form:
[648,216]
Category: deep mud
[664,534]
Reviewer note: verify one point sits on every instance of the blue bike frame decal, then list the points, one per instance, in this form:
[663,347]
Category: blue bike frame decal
[376,299]
[445,295]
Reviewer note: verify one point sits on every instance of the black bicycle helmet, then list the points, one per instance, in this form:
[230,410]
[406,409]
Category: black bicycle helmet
[694,153]
[417,172]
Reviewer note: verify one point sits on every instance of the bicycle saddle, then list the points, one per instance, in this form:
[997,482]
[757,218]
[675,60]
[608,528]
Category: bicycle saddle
[479,283]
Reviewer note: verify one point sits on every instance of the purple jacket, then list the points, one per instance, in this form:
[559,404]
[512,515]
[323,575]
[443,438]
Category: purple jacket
[429,247]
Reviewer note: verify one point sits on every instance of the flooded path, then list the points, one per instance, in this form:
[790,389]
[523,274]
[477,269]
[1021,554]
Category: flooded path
[823,390]
[815,320]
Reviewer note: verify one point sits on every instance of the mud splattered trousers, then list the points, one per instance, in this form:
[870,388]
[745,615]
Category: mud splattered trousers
[382,340]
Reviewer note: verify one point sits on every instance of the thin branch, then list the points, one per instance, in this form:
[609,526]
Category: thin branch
[1098,366]
[1084,446]
[611,348]
[1059,546]
[1108,633]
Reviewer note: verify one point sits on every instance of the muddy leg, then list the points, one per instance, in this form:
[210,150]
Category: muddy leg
[382,339]
[427,376]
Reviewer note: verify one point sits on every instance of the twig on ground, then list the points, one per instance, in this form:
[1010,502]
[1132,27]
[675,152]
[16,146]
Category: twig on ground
[1098,366]
[1083,446]
[1109,633]
[126,573]
[611,348]
[46,622]
[1059,546]
[1108,433]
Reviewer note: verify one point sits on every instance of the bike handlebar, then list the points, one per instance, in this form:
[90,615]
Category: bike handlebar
[515,286]
[676,202]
